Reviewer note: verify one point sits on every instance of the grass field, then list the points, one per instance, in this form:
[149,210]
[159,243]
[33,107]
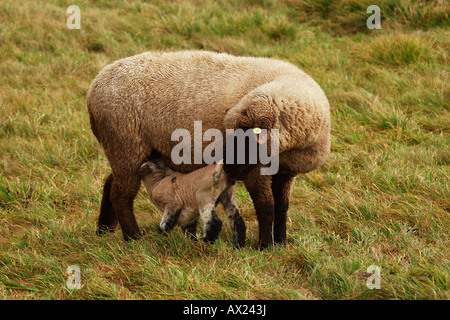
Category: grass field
[382,198]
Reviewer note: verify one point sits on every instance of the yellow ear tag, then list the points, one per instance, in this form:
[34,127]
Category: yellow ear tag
[256,130]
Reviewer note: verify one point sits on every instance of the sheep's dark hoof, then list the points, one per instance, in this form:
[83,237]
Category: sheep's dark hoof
[212,230]
[134,236]
[280,241]
[265,244]
[103,229]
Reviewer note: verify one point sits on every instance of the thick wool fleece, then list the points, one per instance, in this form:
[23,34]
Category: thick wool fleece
[137,102]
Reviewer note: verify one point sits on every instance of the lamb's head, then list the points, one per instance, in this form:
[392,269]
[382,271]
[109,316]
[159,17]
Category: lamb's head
[154,164]
[148,167]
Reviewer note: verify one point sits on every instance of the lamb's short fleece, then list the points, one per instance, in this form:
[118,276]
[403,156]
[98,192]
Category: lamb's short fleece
[185,197]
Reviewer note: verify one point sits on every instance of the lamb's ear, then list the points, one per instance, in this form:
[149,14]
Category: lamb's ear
[145,168]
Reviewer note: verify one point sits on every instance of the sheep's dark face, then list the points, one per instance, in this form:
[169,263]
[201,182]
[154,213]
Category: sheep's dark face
[241,156]
[255,111]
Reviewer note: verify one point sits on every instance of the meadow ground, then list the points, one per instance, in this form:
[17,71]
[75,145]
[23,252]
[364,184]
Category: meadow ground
[382,198]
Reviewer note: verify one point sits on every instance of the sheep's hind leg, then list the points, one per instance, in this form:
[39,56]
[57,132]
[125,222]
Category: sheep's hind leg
[123,192]
[107,220]
[212,225]
[237,224]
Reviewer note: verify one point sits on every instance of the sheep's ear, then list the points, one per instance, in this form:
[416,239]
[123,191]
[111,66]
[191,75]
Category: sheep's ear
[146,168]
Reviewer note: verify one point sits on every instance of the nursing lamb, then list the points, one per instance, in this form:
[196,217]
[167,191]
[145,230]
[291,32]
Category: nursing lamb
[185,197]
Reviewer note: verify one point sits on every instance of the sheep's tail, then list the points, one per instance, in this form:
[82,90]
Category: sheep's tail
[93,125]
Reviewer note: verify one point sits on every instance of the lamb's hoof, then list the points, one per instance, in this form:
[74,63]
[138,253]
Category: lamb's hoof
[190,230]
[239,232]
[212,230]
[163,231]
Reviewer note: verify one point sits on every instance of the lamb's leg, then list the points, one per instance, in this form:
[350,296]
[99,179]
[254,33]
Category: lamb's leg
[169,219]
[123,192]
[259,188]
[212,225]
[107,221]
[237,224]
[191,229]
[281,189]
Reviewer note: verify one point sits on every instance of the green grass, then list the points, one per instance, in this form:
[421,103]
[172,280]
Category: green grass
[382,197]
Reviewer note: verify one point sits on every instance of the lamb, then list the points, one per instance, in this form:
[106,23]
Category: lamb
[185,197]
[136,103]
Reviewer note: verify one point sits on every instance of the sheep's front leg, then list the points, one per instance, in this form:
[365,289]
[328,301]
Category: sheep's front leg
[169,219]
[259,188]
[281,189]
[237,224]
[212,225]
